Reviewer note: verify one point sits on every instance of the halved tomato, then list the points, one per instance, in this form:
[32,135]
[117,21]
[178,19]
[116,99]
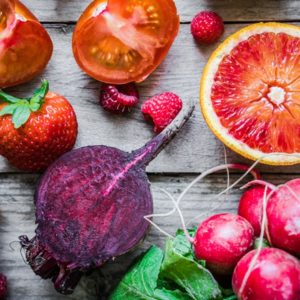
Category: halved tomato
[120,41]
[25,46]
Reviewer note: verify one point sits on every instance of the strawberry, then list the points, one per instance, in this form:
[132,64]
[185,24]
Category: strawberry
[207,27]
[162,110]
[35,131]
[118,98]
[3,287]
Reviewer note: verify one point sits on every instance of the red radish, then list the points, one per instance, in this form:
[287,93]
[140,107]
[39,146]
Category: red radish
[283,215]
[282,210]
[250,206]
[275,275]
[222,240]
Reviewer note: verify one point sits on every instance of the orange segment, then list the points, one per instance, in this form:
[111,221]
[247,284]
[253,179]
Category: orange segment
[250,92]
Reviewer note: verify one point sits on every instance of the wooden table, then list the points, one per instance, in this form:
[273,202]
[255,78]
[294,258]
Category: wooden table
[195,149]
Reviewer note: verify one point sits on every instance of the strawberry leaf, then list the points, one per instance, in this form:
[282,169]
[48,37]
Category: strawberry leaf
[21,115]
[39,96]
[8,98]
[8,109]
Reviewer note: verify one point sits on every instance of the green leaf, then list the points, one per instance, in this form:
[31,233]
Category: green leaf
[8,98]
[8,109]
[265,243]
[180,266]
[183,247]
[39,95]
[21,115]
[141,281]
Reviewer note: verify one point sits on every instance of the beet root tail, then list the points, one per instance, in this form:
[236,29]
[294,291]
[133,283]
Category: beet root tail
[44,264]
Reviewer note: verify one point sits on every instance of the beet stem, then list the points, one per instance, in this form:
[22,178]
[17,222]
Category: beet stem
[149,151]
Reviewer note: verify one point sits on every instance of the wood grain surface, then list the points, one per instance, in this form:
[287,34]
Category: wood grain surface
[231,10]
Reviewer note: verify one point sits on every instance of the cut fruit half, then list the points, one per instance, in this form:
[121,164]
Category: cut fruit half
[250,92]
[118,42]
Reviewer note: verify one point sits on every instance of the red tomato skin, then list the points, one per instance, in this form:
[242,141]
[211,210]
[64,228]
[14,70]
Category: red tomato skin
[276,275]
[222,240]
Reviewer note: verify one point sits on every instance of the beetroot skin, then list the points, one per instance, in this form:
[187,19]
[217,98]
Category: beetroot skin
[276,275]
[90,208]
[222,240]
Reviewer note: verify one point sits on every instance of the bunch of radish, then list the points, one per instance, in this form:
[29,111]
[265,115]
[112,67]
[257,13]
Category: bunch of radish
[227,241]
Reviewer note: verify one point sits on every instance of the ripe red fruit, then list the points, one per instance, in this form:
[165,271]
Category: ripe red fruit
[222,240]
[36,131]
[162,109]
[207,27]
[119,98]
[3,287]
[251,207]
[276,275]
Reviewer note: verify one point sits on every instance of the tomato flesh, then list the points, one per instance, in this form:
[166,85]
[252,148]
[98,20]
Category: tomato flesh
[25,46]
[256,92]
[123,41]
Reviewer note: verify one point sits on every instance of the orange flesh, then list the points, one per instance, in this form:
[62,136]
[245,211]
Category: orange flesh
[256,92]
[122,41]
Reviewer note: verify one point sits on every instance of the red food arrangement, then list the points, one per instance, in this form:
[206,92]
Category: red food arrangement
[25,46]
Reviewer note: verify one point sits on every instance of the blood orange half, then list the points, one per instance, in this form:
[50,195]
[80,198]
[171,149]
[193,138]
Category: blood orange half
[250,92]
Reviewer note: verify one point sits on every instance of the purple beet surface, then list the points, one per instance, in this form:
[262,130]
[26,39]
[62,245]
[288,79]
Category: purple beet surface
[90,208]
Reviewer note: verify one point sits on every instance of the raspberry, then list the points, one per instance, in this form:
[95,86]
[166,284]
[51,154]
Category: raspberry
[207,27]
[3,287]
[162,110]
[118,98]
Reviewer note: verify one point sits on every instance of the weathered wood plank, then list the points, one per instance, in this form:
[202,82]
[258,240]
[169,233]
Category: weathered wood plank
[17,218]
[230,10]
[194,150]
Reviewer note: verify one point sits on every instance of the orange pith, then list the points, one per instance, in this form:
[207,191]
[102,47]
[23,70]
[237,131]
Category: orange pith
[253,102]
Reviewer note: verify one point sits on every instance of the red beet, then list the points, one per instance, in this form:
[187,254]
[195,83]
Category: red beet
[283,214]
[90,208]
[222,240]
[251,207]
[276,275]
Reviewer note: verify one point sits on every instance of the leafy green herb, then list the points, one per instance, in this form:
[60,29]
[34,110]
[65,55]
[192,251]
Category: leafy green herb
[141,282]
[180,266]
[20,108]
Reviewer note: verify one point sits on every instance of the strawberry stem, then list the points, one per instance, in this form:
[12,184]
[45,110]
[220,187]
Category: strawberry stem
[21,108]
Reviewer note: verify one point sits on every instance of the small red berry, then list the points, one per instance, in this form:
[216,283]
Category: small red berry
[118,98]
[162,110]
[207,27]
[3,287]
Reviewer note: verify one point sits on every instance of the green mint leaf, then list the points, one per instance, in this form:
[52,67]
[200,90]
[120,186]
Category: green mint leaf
[39,96]
[8,109]
[180,267]
[8,98]
[21,115]
[140,283]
